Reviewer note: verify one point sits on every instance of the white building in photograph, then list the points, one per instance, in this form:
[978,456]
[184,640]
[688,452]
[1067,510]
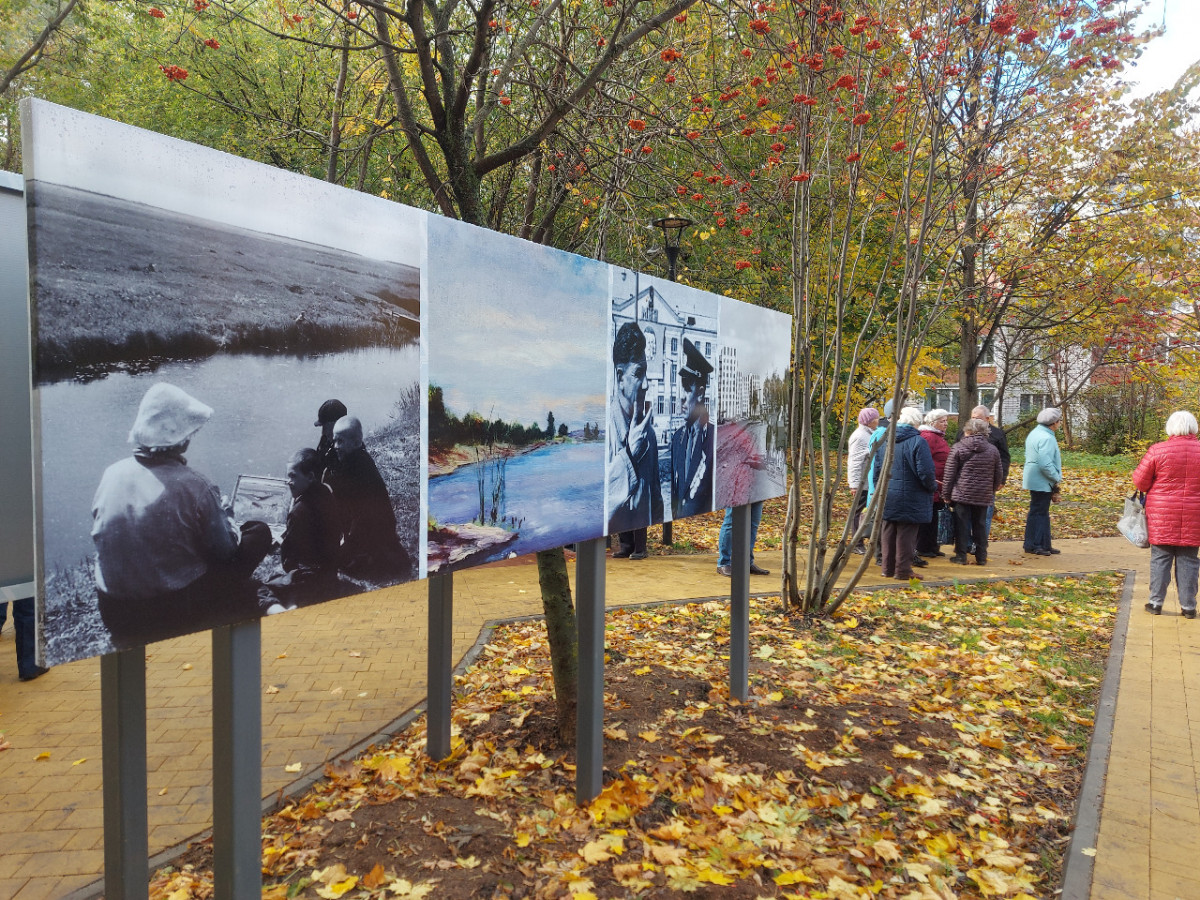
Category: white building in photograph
[665,323]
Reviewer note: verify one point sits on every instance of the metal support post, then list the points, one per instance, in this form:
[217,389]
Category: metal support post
[123,742]
[739,606]
[589,735]
[237,760]
[440,665]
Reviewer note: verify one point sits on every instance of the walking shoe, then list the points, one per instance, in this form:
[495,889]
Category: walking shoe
[932,553]
[38,671]
[912,576]
[641,555]
[861,551]
[1039,552]
[1187,614]
[961,560]
[1054,551]
[1155,610]
[919,563]
[622,554]
[727,571]
[756,569]
[981,561]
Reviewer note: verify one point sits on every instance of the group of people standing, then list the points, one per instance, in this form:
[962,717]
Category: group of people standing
[928,475]
[168,553]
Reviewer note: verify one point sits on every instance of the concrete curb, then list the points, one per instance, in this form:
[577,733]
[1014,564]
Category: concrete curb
[1078,866]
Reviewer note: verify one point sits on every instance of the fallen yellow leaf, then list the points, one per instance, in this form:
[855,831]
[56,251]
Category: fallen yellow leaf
[44,755]
[294,767]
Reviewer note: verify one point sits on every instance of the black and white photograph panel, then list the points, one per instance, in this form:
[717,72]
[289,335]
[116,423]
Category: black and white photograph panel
[516,344]
[660,446]
[751,404]
[227,395]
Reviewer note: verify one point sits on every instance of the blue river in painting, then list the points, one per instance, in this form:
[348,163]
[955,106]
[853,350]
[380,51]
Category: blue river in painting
[558,490]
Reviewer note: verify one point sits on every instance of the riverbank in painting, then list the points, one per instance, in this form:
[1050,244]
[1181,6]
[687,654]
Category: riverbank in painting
[548,500]
[120,286]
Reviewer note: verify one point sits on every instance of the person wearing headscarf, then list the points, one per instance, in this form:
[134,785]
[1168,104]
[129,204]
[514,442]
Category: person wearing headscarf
[858,449]
[1042,475]
[933,430]
[1169,474]
[168,558]
[909,500]
[371,548]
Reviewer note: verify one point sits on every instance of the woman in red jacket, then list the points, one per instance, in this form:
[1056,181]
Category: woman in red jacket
[1169,473]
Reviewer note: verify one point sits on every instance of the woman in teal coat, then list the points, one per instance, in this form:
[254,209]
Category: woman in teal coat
[1043,472]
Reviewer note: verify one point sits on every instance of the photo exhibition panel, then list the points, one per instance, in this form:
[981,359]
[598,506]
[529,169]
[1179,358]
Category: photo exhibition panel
[255,391]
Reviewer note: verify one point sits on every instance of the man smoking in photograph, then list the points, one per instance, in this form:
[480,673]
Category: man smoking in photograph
[634,495]
[168,557]
[692,443]
[371,549]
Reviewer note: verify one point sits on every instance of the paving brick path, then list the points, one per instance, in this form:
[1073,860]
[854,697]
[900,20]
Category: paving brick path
[344,670]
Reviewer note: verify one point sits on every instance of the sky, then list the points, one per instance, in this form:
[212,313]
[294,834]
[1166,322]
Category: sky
[1165,58]
[91,153]
[515,329]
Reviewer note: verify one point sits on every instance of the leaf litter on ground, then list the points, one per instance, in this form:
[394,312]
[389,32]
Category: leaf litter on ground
[928,744]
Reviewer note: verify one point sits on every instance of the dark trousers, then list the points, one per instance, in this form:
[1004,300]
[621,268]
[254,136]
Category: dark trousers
[632,541]
[23,624]
[1037,521]
[221,596]
[927,532]
[898,545]
[970,526]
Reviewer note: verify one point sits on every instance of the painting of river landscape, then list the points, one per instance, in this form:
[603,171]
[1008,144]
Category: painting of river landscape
[516,344]
[193,312]
[752,403]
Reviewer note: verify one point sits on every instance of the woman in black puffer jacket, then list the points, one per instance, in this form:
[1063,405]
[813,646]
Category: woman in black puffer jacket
[973,475]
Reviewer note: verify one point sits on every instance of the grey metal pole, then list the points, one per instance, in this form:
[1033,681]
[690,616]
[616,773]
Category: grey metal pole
[439,665]
[739,606]
[237,760]
[123,742]
[589,730]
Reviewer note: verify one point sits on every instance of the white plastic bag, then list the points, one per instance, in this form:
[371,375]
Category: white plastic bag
[1133,523]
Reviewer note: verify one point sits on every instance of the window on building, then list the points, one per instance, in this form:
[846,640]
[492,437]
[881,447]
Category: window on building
[942,398]
[1032,404]
[672,406]
[674,345]
[660,405]
[987,397]
[674,370]
[987,356]
[708,348]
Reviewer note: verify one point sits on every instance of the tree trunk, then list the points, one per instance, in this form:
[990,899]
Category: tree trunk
[563,636]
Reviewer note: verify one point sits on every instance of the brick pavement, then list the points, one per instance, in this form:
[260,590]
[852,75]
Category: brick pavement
[344,670]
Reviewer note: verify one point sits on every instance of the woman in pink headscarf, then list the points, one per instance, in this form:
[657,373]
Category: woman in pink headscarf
[857,451]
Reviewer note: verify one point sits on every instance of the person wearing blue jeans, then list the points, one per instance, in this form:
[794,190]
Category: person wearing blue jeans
[725,542]
[23,619]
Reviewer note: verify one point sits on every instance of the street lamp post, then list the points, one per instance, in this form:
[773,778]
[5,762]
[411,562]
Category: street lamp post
[672,229]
